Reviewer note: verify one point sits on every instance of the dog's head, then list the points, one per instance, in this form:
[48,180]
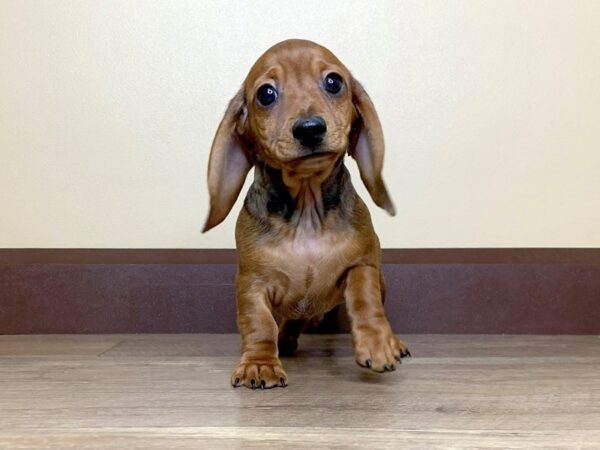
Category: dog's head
[299,110]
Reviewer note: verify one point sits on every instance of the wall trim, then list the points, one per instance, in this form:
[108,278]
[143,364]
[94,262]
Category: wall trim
[229,256]
[476,290]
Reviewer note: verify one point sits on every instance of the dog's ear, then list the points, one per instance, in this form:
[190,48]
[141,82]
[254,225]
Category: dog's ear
[229,163]
[367,147]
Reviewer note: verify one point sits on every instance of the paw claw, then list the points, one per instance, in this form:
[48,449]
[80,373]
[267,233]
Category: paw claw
[380,349]
[259,375]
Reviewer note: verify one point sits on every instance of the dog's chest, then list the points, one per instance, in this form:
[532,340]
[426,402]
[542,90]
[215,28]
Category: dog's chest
[307,272]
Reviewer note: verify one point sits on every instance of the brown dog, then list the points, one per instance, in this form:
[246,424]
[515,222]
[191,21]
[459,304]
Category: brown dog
[305,239]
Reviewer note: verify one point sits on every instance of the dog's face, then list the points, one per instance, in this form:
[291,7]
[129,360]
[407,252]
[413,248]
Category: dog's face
[299,107]
[299,110]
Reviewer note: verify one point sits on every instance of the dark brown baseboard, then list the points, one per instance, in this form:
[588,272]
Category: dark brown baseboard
[516,291]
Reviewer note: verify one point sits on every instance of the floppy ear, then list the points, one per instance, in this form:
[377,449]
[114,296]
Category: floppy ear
[368,147]
[229,162]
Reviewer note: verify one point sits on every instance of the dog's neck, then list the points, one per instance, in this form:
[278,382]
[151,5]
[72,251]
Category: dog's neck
[302,202]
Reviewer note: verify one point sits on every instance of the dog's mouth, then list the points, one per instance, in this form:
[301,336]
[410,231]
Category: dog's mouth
[313,162]
[315,155]
[305,162]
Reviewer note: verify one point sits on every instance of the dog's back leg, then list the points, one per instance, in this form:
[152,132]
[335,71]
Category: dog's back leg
[289,331]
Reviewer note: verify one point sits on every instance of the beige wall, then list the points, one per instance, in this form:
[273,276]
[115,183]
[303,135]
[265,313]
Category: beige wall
[490,109]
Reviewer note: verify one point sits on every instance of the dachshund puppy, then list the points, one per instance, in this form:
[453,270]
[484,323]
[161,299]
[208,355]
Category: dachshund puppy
[304,237]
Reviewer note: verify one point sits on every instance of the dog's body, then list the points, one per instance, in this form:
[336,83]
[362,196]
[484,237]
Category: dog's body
[305,239]
[301,265]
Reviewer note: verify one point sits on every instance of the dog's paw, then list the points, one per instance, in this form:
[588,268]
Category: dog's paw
[379,350]
[259,375]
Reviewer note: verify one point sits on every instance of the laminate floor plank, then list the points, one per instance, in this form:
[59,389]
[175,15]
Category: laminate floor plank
[172,391]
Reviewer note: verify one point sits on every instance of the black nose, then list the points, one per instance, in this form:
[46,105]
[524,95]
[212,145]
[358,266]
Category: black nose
[310,131]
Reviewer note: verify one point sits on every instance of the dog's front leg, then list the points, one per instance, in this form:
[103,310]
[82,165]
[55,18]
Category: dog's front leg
[259,365]
[375,345]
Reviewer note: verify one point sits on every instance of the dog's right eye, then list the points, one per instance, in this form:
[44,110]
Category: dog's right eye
[266,95]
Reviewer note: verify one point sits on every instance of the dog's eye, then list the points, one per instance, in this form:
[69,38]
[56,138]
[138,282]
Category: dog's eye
[266,95]
[333,83]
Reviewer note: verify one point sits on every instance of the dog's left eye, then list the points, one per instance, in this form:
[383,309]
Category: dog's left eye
[333,83]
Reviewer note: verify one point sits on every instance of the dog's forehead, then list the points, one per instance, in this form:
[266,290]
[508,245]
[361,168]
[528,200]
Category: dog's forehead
[293,55]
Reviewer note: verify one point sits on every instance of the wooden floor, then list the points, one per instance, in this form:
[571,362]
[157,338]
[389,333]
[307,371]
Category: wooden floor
[172,391]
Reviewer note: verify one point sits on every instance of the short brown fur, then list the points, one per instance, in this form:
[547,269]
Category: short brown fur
[304,237]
